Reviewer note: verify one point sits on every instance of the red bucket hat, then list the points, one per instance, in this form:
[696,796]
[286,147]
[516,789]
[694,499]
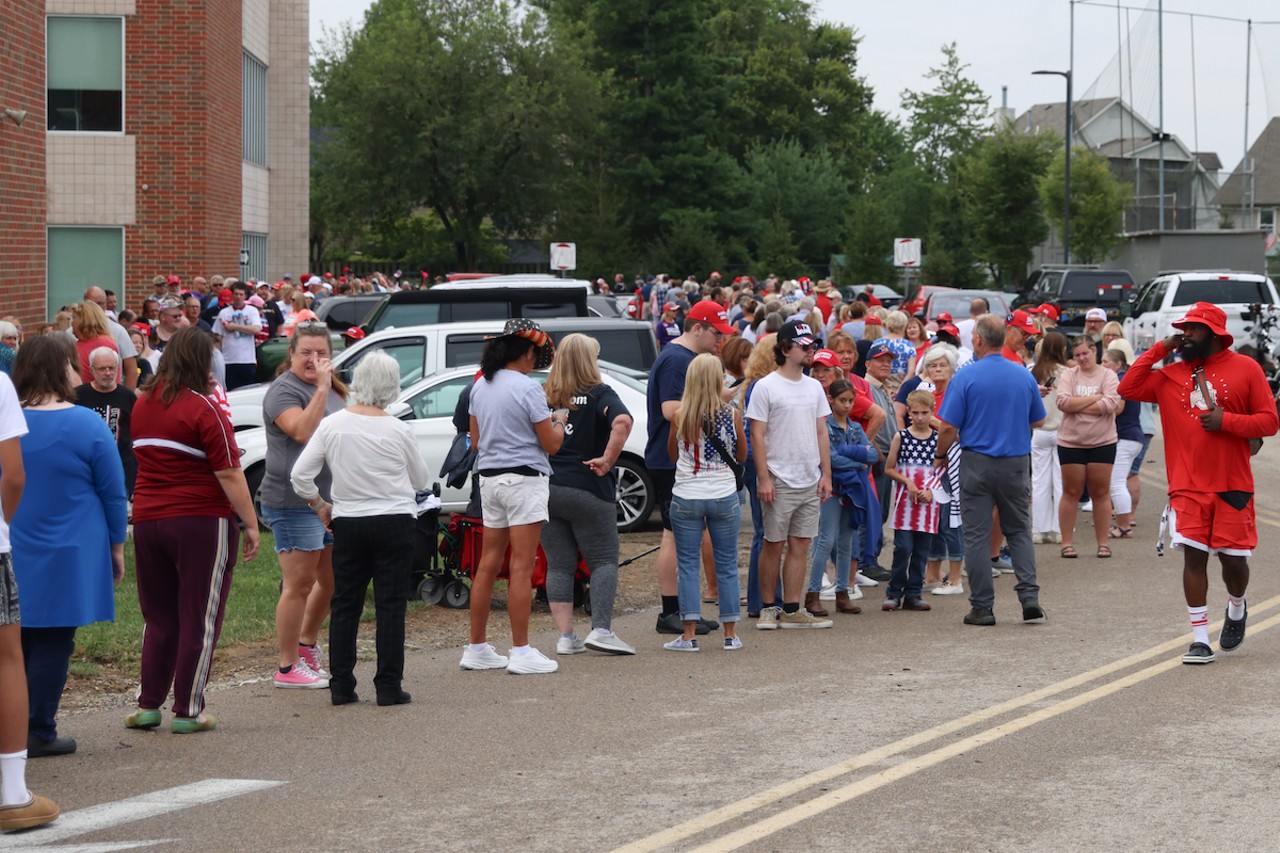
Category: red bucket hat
[1207,314]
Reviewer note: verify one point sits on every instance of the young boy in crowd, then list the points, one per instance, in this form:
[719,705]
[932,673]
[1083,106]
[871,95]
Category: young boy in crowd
[914,512]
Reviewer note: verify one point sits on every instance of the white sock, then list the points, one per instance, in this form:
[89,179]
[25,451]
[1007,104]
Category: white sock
[520,651]
[478,648]
[1235,607]
[1199,624]
[602,632]
[13,779]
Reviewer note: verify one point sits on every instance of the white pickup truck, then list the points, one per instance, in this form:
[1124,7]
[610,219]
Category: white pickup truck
[1168,296]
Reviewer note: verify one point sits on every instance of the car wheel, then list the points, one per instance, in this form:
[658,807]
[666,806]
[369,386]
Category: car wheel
[635,494]
[253,477]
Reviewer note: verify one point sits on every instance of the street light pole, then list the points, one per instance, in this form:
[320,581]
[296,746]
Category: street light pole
[1066,172]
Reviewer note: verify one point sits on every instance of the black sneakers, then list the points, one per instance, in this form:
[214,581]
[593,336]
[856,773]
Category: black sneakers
[1032,611]
[1233,631]
[876,572]
[1200,653]
[673,624]
[980,616]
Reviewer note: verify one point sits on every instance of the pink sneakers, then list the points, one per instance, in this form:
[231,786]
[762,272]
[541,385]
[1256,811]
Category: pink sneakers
[312,656]
[300,676]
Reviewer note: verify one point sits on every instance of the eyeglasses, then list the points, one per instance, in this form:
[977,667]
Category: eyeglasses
[808,347]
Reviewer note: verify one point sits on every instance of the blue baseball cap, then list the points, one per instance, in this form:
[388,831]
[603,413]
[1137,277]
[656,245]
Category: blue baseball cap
[879,348]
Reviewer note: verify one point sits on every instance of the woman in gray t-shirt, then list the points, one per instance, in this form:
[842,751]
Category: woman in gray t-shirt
[513,431]
[305,392]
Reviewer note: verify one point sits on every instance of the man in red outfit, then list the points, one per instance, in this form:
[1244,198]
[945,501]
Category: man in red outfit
[1212,403]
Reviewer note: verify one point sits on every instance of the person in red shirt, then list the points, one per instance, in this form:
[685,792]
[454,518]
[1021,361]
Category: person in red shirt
[1212,404]
[1017,331]
[822,299]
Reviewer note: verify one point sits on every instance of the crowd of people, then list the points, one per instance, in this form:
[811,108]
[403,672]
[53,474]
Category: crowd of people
[842,427]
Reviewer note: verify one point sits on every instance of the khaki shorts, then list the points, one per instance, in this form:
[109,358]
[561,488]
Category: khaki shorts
[510,500]
[794,512]
[8,592]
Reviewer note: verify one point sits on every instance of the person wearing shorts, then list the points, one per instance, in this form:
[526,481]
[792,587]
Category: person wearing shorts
[512,430]
[1086,395]
[1212,402]
[788,413]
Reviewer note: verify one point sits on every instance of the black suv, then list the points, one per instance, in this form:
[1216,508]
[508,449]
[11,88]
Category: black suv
[1075,290]
[460,302]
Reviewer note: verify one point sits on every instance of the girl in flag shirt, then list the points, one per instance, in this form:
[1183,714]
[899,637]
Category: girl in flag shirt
[914,513]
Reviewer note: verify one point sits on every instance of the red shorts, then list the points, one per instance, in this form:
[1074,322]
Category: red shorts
[1205,521]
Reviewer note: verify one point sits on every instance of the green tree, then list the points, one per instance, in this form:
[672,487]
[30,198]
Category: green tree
[1098,201]
[467,108]
[1001,178]
[803,189]
[948,120]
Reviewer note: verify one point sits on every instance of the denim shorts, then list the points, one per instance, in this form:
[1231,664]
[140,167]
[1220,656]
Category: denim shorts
[296,529]
[1136,468]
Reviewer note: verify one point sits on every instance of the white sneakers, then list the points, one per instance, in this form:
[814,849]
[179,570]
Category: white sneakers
[570,645]
[948,588]
[603,640]
[862,580]
[532,662]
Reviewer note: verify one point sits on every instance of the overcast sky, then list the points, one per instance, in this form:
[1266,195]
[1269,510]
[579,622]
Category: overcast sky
[1003,41]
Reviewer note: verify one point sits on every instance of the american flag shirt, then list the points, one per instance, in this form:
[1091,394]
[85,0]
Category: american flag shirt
[915,462]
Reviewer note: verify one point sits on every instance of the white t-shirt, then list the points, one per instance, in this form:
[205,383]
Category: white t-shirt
[238,347]
[12,425]
[791,411]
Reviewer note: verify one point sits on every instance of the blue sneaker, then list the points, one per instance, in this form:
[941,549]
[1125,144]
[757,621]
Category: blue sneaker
[680,644]
[732,644]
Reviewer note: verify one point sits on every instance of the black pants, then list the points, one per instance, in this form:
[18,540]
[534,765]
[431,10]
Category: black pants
[47,652]
[377,548]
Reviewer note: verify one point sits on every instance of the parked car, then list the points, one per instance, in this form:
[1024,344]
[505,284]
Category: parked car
[424,350]
[888,297]
[916,302]
[339,313]
[490,298]
[427,406]
[1148,315]
[956,303]
[1075,290]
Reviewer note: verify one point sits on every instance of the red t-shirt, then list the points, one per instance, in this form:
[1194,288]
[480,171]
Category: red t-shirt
[1196,459]
[83,350]
[862,399]
[178,448]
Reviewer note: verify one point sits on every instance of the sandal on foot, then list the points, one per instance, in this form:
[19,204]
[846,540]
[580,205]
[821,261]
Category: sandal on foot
[1068,552]
[142,719]
[191,725]
[1104,552]
[1118,532]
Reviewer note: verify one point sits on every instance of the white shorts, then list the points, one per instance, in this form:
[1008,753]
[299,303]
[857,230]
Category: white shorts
[510,500]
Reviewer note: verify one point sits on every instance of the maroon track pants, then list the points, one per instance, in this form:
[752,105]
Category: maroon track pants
[184,575]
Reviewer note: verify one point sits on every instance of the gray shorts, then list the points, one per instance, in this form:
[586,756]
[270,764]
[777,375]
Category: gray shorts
[794,512]
[8,592]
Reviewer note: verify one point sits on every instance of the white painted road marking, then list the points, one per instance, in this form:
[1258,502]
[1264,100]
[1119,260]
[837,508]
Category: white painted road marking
[141,807]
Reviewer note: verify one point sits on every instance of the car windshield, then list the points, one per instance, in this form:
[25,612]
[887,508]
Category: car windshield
[956,303]
[1094,287]
[1220,291]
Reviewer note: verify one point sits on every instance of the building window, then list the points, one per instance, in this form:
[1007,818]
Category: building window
[255,110]
[256,246]
[79,258]
[85,73]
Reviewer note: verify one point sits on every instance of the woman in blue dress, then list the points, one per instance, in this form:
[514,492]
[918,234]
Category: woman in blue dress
[68,533]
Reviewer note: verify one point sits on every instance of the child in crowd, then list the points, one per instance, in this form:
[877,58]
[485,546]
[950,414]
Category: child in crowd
[841,514]
[914,516]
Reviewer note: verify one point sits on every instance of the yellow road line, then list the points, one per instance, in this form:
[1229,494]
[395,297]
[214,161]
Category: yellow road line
[732,811]
[831,799]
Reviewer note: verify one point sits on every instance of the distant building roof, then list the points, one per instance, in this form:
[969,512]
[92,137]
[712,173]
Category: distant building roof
[1054,116]
[1265,154]
[1209,160]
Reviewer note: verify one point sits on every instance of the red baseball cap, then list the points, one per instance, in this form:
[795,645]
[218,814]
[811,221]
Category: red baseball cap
[1022,320]
[826,358]
[1050,311]
[943,317]
[713,315]
[1207,314]
[224,297]
[873,320]
[949,329]
[173,279]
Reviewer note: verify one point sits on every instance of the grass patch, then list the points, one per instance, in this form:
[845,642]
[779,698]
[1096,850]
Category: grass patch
[250,615]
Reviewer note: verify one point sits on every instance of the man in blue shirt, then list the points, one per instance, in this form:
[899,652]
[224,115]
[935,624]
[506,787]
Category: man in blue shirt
[991,407]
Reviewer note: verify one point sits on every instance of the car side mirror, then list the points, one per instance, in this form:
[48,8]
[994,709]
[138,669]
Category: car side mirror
[400,409]
[1126,308]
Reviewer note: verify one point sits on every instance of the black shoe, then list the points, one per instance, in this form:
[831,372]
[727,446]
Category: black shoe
[399,697]
[1199,653]
[1233,632]
[915,602]
[877,572]
[343,697]
[671,623]
[980,616]
[1032,611]
[37,748]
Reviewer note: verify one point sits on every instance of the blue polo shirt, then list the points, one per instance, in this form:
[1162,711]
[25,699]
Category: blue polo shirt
[993,403]
[666,383]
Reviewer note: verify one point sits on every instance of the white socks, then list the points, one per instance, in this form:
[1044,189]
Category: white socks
[1199,624]
[1235,607]
[520,651]
[13,779]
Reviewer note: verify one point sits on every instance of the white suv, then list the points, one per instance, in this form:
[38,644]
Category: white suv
[1168,296]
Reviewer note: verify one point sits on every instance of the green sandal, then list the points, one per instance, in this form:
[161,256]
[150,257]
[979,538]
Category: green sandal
[142,719]
[191,725]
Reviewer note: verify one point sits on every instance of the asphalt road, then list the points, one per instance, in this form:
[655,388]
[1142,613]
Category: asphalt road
[892,731]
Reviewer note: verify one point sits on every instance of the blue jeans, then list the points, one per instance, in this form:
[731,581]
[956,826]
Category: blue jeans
[910,550]
[720,517]
[754,600]
[46,653]
[834,542]
[948,543]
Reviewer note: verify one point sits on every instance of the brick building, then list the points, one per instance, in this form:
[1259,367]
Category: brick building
[159,137]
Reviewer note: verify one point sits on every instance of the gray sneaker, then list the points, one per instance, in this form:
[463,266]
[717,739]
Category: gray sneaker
[802,619]
[601,640]
[768,620]
[570,645]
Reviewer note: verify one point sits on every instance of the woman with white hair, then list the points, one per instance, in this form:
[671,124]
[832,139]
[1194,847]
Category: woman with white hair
[376,470]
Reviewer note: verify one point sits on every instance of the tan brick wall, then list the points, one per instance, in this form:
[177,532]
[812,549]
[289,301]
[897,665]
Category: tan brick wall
[22,161]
